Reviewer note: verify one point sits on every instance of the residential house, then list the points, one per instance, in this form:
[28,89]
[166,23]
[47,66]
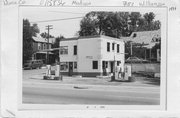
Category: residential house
[149,39]
[40,46]
[91,55]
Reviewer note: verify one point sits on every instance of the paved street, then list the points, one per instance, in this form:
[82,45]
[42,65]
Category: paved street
[77,91]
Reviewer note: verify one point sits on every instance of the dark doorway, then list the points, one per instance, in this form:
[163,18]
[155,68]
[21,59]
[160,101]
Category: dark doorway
[112,66]
[70,68]
[104,68]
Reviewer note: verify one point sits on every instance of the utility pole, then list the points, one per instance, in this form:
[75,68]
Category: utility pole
[131,54]
[48,27]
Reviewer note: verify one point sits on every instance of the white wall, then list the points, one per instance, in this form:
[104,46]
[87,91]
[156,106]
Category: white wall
[92,49]
[109,56]
[70,57]
[89,51]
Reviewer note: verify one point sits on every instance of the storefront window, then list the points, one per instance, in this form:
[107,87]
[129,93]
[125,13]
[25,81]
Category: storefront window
[64,66]
[75,65]
[95,65]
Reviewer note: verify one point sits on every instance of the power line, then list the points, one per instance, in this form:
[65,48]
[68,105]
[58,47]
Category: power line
[56,20]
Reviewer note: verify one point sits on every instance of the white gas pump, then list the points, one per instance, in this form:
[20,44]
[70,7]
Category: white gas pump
[57,71]
[127,71]
[48,72]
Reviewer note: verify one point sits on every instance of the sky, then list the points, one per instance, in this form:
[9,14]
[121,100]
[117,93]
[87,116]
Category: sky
[67,28]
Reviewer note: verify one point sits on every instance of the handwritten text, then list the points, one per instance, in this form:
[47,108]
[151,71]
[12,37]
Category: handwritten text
[52,3]
[7,2]
[80,3]
[128,4]
[152,4]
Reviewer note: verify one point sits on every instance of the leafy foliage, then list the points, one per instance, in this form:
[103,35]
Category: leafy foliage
[88,27]
[56,45]
[45,35]
[57,40]
[117,24]
[28,32]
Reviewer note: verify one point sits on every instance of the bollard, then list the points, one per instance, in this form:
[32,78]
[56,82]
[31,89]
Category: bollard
[127,73]
[57,71]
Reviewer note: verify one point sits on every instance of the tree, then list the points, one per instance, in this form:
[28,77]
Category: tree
[109,23]
[134,19]
[87,27]
[57,41]
[45,35]
[149,17]
[117,24]
[28,32]
[56,45]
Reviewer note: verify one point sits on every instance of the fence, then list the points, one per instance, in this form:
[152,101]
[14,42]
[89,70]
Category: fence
[145,67]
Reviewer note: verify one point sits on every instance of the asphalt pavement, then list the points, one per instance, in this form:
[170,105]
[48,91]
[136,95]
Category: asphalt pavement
[73,90]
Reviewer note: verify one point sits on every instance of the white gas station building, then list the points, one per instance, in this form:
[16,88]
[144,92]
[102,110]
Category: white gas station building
[91,55]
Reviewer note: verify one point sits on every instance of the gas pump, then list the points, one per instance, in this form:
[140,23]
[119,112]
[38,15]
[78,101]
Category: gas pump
[127,72]
[53,74]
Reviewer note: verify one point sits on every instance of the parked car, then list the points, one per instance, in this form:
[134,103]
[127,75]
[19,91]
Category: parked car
[136,60]
[32,64]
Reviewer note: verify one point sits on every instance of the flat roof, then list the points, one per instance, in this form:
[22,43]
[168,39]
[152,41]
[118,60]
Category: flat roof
[87,37]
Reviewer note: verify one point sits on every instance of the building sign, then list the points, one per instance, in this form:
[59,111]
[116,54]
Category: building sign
[89,57]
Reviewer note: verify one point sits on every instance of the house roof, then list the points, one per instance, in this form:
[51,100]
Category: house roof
[145,37]
[149,46]
[69,39]
[42,40]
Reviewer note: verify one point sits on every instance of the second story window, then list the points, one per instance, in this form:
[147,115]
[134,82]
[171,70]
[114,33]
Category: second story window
[113,46]
[117,48]
[44,47]
[75,49]
[63,50]
[39,46]
[108,46]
